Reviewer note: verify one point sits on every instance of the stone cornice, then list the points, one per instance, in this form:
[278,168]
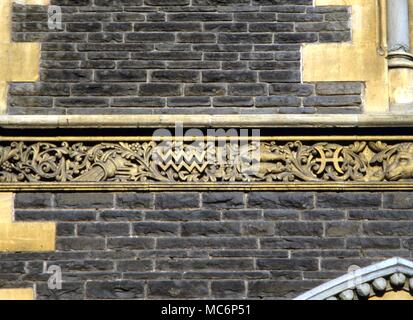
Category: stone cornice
[208,121]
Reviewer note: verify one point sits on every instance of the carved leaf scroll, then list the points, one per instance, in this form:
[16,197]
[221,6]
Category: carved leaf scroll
[205,161]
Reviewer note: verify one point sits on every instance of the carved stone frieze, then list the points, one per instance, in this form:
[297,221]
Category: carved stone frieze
[267,162]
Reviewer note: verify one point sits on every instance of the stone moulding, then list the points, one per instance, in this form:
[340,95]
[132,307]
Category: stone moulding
[208,121]
[369,282]
[234,163]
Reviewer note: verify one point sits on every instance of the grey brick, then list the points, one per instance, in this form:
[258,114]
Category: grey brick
[207,243]
[80,244]
[398,200]
[226,275]
[381,214]
[233,102]
[250,214]
[205,90]
[65,229]
[134,265]
[281,215]
[278,101]
[84,200]
[176,200]
[12,266]
[284,289]
[160,89]
[302,243]
[70,291]
[204,264]
[344,264]
[231,289]
[323,215]
[183,215]
[120,75]
[388,228]
[373,243]
[179,76]
[279,76]
[189,102]
[288,264]
[229,76]
[121,215]
[55,215]
[83,265]
[258,228]
[124,289]
[220,200]
[296,228]
[102,229]
[177,289]
[33,200]
[342,229]
[155,229]
[348,200]
[281,200]
[127,243]
[134,200]
[210,229]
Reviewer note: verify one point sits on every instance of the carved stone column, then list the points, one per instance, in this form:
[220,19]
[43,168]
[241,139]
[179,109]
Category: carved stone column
[398,29]
[400,58]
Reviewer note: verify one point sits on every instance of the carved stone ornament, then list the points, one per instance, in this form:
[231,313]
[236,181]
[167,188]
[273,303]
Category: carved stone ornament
[391,279]
[164,163]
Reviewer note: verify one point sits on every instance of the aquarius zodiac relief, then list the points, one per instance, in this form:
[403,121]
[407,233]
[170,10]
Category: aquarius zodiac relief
[205,161]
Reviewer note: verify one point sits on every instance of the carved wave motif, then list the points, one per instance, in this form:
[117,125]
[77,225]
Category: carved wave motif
[173,162]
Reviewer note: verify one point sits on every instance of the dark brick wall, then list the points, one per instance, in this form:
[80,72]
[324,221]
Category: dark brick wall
[186,56]
[271,245]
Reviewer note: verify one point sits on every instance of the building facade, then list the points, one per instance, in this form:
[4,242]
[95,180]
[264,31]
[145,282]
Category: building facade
[205,149]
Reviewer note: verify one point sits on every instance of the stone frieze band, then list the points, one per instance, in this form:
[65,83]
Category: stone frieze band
[206,163]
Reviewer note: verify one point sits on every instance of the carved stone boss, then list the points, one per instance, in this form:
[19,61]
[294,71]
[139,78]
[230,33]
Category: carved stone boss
[261,163]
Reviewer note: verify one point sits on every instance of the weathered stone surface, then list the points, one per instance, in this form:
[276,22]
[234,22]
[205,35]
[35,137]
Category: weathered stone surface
[177,289]
[133,200]
[223,200]
[84,200]
[349,200]
[155,229]
[124,289]
[342,229]
[177,200]
[398,200]
[280,200]
[33,200]
[228,289]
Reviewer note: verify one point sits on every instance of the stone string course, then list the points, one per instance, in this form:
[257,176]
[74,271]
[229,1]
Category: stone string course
[270,245]
[180,56]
